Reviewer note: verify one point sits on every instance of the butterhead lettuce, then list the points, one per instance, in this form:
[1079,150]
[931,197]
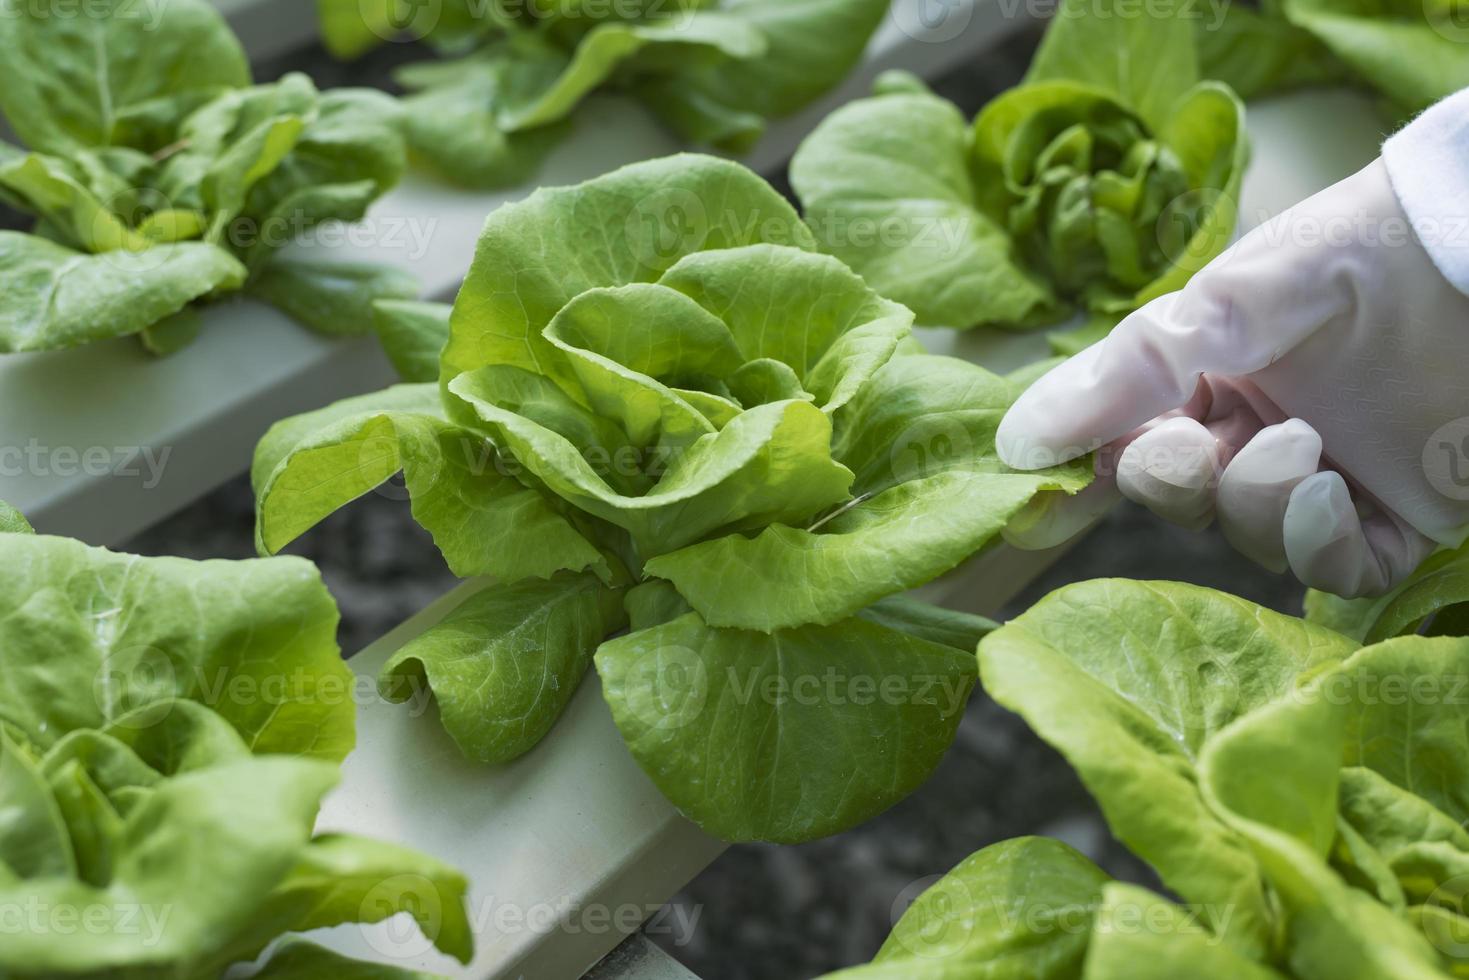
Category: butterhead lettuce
[660,409]
[1106,178]
[1302,796]
[713,71]
[160,179]
[167,732]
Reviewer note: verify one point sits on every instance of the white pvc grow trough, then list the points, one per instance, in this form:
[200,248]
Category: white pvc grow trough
[570,848]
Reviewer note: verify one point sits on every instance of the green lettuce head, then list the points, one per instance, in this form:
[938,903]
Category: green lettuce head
[1301,796]
[160,179]
[168,730]
[1106,178]
[713,71]
[660,406]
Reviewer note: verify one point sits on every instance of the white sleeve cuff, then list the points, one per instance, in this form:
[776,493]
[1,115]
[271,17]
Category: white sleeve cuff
[1428,164]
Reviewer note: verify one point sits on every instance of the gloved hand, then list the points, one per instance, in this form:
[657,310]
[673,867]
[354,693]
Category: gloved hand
[1310,388]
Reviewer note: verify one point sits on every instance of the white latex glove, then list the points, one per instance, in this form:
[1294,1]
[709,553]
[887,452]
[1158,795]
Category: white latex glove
[1309,388]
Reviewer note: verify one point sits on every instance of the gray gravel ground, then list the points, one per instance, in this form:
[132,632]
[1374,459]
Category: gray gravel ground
[768,912]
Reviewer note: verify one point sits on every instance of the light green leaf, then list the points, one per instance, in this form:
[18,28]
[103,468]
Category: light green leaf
[1131,681]
[787,737]
[1020,908]
[413,335]
[122,73]
[482,518]
[159,739]
[1391,818]
[351,153]
[1207,132]
[804,310]
[923,416]
[331,297]
[897,540]
[451,130]
[653,603]
[959,630]
[768,465]
[55,195]
[886,187]
[1142,936]
[13,521]
[1448,931]
[811,45]
[172,334]
[1143,57]
[616,46]
[197,856]
[87,636]
[240,160]
[1362,866]
[1272,778]
[1408,718]
[340,879]
[629,226]
[56,298]
[698,117]
[932,493]
[33,837]
[505,663]
[618,342]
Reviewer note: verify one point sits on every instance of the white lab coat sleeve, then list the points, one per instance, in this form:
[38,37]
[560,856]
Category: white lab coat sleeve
[1428,164]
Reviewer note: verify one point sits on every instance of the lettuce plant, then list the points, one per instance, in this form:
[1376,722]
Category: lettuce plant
[1106,178]
[659,406]
[714,71]
[1303,797]
[167,731]
[1410,52]
[160,179]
